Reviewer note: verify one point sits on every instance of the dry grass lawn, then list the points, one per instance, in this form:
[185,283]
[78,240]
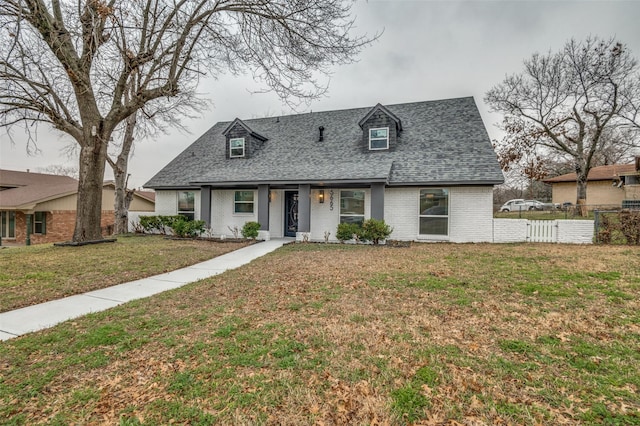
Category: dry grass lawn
[332,334]
[37,274]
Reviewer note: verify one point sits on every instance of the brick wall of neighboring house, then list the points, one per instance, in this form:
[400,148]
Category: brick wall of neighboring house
[59,227]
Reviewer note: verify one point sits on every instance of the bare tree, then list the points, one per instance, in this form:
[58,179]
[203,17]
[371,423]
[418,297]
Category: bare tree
[152,119]
[60,170]
[68,63]
[574,104]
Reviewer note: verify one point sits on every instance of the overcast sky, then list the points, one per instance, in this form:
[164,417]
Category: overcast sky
[429,50]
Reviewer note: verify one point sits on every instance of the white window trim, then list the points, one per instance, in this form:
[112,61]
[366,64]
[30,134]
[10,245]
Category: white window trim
[378,139]
[448,216]
[235,213]
[231,149]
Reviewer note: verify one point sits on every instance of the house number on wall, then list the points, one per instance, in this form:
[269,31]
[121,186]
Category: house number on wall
[331,200]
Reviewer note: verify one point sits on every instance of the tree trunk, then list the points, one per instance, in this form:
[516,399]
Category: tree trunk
[123,199]
[120,167]
[89,206]
[581,189]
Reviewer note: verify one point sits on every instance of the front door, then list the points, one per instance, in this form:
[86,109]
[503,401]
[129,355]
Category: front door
[290,213]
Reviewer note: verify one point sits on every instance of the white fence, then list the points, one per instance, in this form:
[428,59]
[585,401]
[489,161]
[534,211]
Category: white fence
[547,231]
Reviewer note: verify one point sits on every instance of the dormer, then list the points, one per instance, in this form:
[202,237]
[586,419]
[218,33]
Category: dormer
[241,141]
[380,129]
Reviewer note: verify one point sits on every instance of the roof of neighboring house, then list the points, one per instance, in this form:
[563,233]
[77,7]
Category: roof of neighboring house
[23,190]
[441,142]
[597,173]
[147,195]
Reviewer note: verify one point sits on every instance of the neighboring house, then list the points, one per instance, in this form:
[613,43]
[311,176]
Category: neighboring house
[41,208]
[607,186]
[426,168]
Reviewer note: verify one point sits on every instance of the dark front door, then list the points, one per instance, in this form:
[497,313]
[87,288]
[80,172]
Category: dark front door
[290,213]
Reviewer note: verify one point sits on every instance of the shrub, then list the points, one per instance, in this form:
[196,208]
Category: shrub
[621,228]
[250,230]
[158,223]
[375,230]
[184,228]
[349,231]
[150,223]
[630,226]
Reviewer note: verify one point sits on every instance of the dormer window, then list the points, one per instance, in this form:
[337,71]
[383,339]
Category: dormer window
[379,138]
[380,130]
[236,147]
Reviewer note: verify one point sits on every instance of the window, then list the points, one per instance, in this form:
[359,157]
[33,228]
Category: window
[243,202]
[352,207]
[379,138]
[40,223]
[434,212]
[236,147]
[186,204]
[8,228]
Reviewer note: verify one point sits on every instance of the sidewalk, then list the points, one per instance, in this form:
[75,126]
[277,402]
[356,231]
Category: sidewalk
[45,315]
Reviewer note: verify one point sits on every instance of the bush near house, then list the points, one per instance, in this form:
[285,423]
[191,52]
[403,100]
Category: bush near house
[349,231]
[371,230]
[375,230]
[184,228]
[250,230]
[153,224]
[179,225]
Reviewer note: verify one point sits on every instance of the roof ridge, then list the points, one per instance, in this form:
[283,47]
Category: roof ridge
[367,107]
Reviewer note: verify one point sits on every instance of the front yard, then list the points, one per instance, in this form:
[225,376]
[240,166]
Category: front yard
[36,274]
[336,334]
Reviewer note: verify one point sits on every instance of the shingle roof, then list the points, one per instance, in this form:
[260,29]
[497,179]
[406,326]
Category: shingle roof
[27,189]
[23,190]
[442,142]
[597,173]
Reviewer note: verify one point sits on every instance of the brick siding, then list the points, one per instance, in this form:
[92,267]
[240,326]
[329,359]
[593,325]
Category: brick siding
[59,226]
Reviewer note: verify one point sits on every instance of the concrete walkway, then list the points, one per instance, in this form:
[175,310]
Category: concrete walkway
[45,315]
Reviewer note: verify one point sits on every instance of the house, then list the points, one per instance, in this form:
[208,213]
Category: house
[40,208]
[607,186]
[426,168]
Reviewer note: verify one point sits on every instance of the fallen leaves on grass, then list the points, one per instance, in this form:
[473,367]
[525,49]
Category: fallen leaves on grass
[471,334]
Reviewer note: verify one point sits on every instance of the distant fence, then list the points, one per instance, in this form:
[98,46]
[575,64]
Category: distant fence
[549,231]
[554,212]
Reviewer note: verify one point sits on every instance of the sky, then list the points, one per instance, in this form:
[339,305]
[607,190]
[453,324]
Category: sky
[428,50]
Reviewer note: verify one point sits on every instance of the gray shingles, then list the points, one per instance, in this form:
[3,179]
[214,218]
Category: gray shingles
[442,142]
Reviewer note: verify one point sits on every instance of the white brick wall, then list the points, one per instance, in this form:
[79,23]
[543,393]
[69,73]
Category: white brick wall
[569,231]
[401,208]
[471,214]
[324,219]
[167,202]
[575,231]
[223,216]
[276,214]
[509,230]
